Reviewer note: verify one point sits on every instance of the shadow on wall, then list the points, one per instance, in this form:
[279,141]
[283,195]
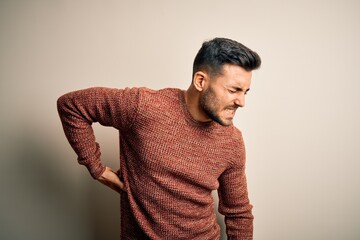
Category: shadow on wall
[40,199]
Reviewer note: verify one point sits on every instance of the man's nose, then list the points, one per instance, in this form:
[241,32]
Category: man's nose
[240,100]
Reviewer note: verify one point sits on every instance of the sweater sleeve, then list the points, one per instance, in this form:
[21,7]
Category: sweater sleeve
[234,202]
[79,109]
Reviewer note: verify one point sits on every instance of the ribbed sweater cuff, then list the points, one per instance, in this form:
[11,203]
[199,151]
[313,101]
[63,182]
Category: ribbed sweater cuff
[96,170]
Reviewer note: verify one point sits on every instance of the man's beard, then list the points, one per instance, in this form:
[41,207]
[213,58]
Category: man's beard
[208,103]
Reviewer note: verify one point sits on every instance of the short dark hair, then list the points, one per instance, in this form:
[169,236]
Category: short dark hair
[215,53]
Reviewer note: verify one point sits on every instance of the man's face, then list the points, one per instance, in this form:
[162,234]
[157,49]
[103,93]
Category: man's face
[223,94]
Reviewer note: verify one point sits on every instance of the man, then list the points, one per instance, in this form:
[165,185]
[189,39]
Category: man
[176,147]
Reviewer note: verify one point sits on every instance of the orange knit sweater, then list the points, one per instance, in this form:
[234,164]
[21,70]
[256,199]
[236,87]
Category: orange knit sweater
[169,162]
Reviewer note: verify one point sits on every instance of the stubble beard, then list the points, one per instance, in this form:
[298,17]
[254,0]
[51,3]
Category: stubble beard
[208,103]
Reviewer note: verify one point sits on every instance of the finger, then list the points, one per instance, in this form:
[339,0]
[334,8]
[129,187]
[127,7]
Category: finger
[120,183]
[113,181]
[110,184]
[122,187]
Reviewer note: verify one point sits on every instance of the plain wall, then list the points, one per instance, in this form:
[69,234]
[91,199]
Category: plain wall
[300,125]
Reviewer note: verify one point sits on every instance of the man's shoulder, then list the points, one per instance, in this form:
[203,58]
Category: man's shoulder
[231,131]
[231,136]
[160,96]
[166,101]
[164,92]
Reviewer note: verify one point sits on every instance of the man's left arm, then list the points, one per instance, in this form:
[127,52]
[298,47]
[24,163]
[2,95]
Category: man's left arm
[234,203]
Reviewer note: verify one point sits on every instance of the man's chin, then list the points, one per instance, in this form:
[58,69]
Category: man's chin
[225,122]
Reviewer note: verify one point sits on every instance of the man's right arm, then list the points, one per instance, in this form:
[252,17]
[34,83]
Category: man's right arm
[79,109]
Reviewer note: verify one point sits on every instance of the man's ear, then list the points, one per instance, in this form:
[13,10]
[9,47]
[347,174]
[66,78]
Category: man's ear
[199,80]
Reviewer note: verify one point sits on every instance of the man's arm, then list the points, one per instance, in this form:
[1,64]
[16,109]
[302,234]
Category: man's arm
[234,202]
[110,107]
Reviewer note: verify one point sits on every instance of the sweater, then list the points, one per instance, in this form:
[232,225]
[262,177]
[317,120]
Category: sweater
[169,162]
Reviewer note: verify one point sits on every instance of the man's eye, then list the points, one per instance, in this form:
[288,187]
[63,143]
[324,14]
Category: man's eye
[232,91]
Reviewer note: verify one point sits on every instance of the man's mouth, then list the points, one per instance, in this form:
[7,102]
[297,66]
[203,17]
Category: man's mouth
[230,111]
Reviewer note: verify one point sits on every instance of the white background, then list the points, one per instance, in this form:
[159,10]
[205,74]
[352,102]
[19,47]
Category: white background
[300,125]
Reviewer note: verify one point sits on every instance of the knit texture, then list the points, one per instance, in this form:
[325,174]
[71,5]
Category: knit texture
[169,162]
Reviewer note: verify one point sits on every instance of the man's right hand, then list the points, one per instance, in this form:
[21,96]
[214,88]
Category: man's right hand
[112,180]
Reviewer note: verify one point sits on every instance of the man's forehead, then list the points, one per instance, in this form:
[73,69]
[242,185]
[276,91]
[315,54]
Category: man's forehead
[236,75]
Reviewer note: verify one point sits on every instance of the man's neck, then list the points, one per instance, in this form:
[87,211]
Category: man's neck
[192,99]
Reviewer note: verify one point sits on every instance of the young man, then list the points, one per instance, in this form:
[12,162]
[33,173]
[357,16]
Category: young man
[176,147]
